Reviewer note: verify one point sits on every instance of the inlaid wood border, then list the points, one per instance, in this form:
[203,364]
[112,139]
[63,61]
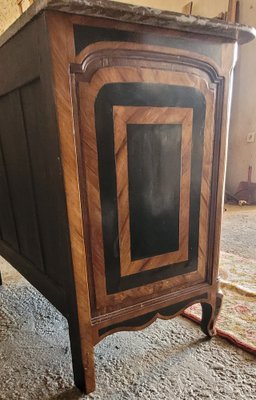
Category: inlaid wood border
[61,26]
[87,94]
[151,115]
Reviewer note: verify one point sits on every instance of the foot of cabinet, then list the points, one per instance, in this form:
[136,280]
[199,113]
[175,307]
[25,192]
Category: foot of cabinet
[210,312]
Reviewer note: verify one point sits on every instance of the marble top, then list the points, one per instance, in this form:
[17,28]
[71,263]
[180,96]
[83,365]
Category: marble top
[136,14]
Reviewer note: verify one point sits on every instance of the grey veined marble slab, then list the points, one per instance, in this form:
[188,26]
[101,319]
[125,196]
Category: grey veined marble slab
[136,14]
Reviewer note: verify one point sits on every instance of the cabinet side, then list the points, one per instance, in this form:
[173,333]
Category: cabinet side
[34,234]
[34,230]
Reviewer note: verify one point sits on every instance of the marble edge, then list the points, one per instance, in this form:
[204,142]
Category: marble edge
[135,14]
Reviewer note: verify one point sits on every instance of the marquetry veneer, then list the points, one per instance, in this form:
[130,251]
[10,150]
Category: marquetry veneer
[112,161]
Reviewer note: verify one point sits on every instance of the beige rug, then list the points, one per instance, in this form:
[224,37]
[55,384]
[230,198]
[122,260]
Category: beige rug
[237,320]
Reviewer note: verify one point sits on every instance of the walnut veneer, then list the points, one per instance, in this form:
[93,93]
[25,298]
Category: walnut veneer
[113,140]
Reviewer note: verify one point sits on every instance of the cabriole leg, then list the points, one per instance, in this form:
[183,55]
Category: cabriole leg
[210,312]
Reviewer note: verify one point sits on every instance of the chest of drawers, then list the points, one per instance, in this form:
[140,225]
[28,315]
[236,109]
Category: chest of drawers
[113,132]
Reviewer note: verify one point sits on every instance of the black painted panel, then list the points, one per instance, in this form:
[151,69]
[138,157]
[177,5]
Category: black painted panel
[155,95]
[143,319]
[86,35]
[154,162]
[18,167]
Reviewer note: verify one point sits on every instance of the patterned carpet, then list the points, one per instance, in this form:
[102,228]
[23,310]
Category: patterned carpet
[237,320]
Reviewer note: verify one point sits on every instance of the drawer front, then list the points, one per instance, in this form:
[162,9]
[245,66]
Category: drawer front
[146,134]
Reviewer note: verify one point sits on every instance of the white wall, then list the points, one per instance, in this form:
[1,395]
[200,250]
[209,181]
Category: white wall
[209,8]
[205,8]
[9,12]
[243,114]
[170,5]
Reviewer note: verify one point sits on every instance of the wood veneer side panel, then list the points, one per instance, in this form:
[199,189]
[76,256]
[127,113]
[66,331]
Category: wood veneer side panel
[62,53]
